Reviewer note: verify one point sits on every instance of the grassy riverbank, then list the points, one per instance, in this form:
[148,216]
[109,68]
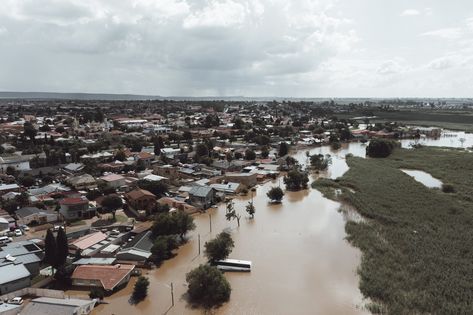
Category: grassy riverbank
[416,241]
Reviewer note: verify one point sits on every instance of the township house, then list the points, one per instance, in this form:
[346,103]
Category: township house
[140,199]
[113,181]
[102,276]
[29,215]
[138,250]
[202,197]
[19,262]
[46,305]
[76,208]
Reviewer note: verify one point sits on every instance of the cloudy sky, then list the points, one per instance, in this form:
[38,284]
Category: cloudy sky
[297,48]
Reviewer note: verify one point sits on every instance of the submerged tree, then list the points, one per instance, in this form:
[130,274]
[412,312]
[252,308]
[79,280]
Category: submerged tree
[220,247]
[140,291]
[275,194]
[207,286]
[231,213]
[296,180]
[320,162]
[250,209]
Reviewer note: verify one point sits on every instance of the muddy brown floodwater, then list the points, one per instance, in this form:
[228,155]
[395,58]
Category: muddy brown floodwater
[302,263]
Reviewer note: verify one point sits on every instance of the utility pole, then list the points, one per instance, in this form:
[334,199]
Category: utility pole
[199,243]
[210,220]
[172,295]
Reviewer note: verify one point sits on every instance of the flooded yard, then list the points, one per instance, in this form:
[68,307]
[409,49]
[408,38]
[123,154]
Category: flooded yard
[424,178]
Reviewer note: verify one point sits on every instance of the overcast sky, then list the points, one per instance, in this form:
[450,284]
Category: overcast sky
[300,48]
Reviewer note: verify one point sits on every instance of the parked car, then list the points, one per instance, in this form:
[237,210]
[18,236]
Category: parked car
[5,239]
[57,227]
[24,227]
[18,232]
[16,300]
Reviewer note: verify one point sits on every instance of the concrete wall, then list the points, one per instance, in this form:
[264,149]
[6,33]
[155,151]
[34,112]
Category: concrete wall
[15,285]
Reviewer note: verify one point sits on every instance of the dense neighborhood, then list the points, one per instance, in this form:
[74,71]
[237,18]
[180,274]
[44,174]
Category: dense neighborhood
[90,182]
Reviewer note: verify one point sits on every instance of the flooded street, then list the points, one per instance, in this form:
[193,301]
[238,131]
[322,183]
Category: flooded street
[302,263]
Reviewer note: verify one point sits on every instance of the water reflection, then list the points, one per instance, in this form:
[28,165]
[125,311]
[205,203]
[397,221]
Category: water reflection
[424,178]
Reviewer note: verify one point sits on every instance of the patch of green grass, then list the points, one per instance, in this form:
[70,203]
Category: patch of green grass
[416,242]
[121,218]
[78,222]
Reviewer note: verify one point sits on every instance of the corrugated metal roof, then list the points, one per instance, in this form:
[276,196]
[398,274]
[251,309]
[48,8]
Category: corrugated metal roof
[12,272]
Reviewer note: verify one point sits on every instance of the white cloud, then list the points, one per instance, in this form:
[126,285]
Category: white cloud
[410,12]
[390,67]
[218,14]
[445,33]
[225,47]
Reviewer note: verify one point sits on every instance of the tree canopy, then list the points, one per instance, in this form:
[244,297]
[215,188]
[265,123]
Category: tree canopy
[220,247]
[296,180]
[207,286]
[275,194]
[380,148]
[178,222]
[140,291]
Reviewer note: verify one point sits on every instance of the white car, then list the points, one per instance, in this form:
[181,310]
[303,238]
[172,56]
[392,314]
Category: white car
[18,232]
[16,300]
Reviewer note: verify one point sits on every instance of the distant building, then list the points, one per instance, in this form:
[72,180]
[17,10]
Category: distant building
[85,181]
[46,305]
[113,181]
[18,163]
[138,249]
[28,215]
[202,197]
[13,277]
[141,199]
[247,179]
[6,188]
[25,253]
[109,278]
[76,208]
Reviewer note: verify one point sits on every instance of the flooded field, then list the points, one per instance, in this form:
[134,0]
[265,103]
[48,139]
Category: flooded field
[302,263]
[424,178]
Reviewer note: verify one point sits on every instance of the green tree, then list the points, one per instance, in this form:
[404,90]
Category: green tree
[250,154]
[112,203]
[207,286]
[231,213]
[380,148]
[140,291]
[157,188]
[320,162]
[283,149]
[250,209]
[275,194]
[50,249]
[120,155]
[27,181]
[29,130]
[219,248]
[62,247]
[162,248]
[201,150]
[264,152]
[178,222]
[184,222]
[296,180]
